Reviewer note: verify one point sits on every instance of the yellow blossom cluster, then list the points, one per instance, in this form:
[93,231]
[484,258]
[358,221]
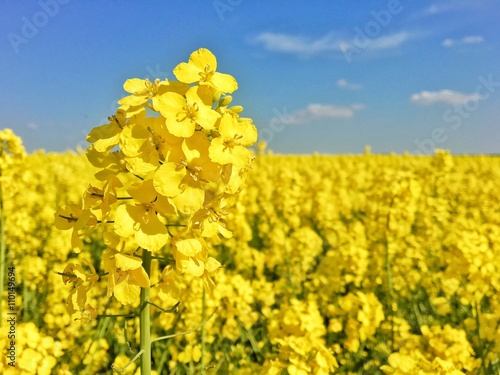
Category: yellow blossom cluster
[36,353]
[11,150]
[406,262]
[298,332]
[175,154]
[45,332]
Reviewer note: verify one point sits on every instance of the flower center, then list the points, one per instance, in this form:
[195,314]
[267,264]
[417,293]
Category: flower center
[232,142]
[206,74]
[194,171]
[188,112]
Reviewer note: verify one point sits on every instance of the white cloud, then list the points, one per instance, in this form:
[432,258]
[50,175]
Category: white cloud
[471,39]
[32,126]
[428,11]
[357,106]
[443,7]
[314,112]
[439,8]
[302,45]
[448,43]
[433,9]
[297,44]
[348,85]
[443,96]
[389,41]
[452,6]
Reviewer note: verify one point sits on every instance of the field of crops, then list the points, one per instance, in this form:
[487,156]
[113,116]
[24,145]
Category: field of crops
[355,264]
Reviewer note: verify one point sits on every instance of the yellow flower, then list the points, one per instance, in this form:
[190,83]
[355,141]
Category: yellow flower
[211,220]
[126,276]
[201,69]
[146,143]
[11,150]
[102,198]
[169,289]
[184,113]
[142,90]
[77,298]
[112,163]
[141,221]
[400,364]
[105,137]
[191,256]
[233,177]
[72,216]
[235,136]
[144,192]
[183,179]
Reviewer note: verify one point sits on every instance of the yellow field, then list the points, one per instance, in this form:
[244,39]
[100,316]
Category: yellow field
[369,264]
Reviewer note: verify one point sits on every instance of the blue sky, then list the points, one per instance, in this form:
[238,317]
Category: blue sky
[322,76]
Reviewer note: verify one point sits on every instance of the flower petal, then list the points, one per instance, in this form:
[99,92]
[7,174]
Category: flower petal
[127,293]
[124,222]
[203,57]
[189,247]
[190,200]
[153,234]
[168,178]
[134,85]
[224,82]
[127,262]
[187,73]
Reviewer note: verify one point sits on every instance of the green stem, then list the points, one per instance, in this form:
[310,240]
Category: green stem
[482,353]
[388,269]
[145,319]
[25,299]
[390,291]
[203,310]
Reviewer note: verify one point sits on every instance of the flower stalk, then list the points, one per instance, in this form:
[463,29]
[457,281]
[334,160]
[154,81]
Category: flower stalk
[145,318]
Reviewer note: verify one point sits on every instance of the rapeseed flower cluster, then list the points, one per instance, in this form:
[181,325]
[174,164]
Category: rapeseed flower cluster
[33,187]
[170,160]
[381,264]
[11,150]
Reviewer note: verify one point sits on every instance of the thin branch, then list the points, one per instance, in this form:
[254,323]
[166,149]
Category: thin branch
[102,196]
[117,316]
[74,219]
[72,275]
[170,310]
[186,332]
[122,369]
[134,315]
